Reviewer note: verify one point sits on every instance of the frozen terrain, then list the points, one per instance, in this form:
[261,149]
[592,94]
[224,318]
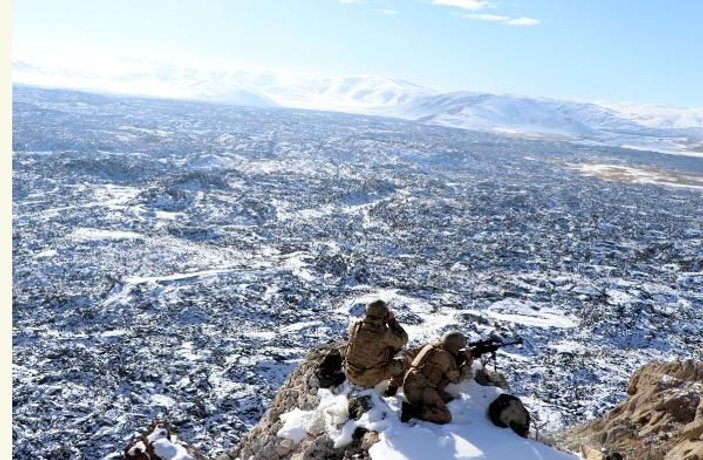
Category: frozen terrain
[470,435]
[175,259]
[661,128]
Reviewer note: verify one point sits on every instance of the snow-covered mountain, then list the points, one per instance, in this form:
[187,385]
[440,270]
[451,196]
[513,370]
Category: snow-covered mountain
[668,129]
[559,119]
[520,114]
[657,116]
[348,94]
[236,87]
[647,127]
[493,112]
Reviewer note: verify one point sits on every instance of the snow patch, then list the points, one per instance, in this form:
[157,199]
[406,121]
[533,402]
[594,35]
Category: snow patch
[296,424]
[97,234]
[162,400]
[296,263]
[164,448]
[48,254]
[623,173]
[470,436]
[528,314]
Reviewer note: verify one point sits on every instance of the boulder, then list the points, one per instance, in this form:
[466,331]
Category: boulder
[160,442]
[661,419]
[300,391]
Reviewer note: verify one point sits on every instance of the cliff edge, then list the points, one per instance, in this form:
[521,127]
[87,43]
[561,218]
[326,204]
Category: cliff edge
[661,419]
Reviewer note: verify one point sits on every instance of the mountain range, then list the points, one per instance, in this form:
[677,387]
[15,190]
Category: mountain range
[660,128]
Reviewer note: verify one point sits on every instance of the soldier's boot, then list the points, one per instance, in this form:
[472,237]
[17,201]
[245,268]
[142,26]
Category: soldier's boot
[436,413]
[446,397]
[390,391]
[400,366]
[407,412]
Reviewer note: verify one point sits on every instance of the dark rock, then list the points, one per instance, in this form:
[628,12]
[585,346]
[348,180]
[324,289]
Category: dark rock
[508,411]
[330,373]
[359,405]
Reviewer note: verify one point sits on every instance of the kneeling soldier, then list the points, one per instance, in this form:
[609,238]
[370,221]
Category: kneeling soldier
[437,365]
[373,342]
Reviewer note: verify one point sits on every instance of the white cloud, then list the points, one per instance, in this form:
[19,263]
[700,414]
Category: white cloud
[387,12]
[487,17]
[523,22]
[472,5]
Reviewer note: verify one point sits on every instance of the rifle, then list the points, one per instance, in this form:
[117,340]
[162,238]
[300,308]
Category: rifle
[481,347]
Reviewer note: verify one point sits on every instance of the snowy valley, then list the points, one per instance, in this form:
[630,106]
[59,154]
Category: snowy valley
[176,259]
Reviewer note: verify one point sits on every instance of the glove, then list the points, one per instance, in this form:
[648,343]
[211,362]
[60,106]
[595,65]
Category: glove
[466,359]
[469,357]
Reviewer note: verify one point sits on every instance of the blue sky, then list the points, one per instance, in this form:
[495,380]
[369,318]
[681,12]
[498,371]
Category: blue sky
[642,51]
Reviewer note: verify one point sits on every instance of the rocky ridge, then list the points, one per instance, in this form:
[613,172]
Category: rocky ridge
[299,391]
[264,441]
[661,419]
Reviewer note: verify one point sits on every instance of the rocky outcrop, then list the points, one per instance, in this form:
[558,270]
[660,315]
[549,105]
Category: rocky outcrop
[299,391]
[661,419]
[160,443]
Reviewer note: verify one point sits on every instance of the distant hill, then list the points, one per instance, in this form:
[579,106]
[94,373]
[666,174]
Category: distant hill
[660,128]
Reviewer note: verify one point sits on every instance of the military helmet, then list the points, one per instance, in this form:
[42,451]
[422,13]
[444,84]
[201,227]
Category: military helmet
[377,309]
[453,341]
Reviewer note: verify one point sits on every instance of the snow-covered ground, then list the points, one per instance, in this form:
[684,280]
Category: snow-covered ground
[625,173]
[470,435]
[176,259]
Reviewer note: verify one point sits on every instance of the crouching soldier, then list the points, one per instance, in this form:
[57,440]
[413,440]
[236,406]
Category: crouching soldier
[373,342]
[437,365]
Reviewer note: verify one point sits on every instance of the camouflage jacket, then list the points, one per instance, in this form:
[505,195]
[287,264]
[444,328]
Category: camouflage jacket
[372,344]
[437,367]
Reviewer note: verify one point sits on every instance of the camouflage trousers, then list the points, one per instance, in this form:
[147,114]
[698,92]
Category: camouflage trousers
[393,370]
[430,402]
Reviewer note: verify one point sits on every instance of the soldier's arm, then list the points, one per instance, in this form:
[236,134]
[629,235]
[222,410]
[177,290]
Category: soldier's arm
[396,337]
[453,372]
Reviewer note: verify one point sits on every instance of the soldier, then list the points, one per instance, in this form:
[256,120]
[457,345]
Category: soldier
[436,365]
[373,342]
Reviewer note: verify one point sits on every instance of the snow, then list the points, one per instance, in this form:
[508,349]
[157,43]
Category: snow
[469,436]
[96,234]
[115,333]
[655,128]
[214,307]
[529,314]
[47,254]
[162,400]
[640,175]
[659,116]
[296,262]
[295,424]
[167,450]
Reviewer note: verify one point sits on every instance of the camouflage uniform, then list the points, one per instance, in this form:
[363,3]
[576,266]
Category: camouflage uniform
[430,372]
[369,355]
